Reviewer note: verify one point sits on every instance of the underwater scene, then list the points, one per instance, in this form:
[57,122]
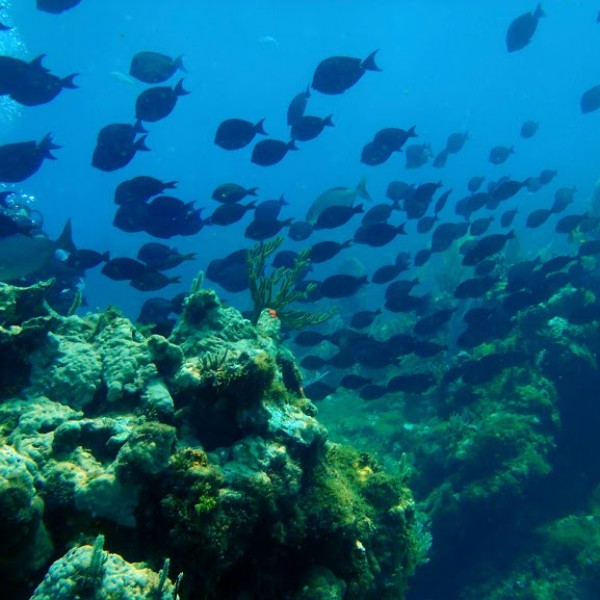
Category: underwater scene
[299,301]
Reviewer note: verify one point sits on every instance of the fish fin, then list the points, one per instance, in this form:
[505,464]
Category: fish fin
[138,127]
[179,64]
[36,63]
[291,145]
[400,229]
[307,92]
[140,145]
[369,63]
[67,82]
[539,11]
[412,132]
[258,128]
[359,208]
[282,201]
[179,91]
[361,190]
[169,185]
[328,122]
[65,239]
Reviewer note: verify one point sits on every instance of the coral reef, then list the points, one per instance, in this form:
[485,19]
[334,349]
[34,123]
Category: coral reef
[201,448]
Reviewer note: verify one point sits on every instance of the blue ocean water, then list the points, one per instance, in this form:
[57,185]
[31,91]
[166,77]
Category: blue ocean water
[444,68]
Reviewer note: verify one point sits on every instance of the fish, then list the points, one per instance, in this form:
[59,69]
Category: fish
[364,318]
[324,251]
[157,103]
[433,323]
[456,141]
[398,190]
[372,391]
[269,152]
[399,289]
[229,193]
[519,274]
[285,258]
[589,248]
[499,154]
[417,155]
[318,390]
[562,198]
[378,234]
[557,263]
[155,311]
[266,228]
[231,272]
[309,339]
[300,231]
[297,107]
[56,6]
[508,217]
[379,213]
[425,224]
[22,255]
[340,286]
[590,100]
[529,129]
[485,267]
[132,217]
[482,370]
[374,155]
[475,287]
[538,217]
[427,348]
[12,70]
[441,202]
[141,189]
[123,269]
[534,184]
[568,223]
[475,183]
[227,214]
[521,29]
[415,383]
[37,86]
[480,226]
[168,216]
[445,234]
[233,134]
[547,175]
[354,382]
[486,247]
[151,281]
[153,67]
[337,74]
[440,160]
[308,127]
[19,161]
[116,146]
[270,209]
[82,259]
[313,363]
[421,257]
[337,196]
[160,257]
[336,216]
[393,138]
[386,273]
[507,189]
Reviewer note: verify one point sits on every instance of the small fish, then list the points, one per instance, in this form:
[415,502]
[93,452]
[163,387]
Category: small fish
[373,154]
[507,189]
[324,251]
[227,214]
[300,231]
[336,216]
[151,281]
[433,323]
[427,348]
[308,127]
[475,287]
[116,146]
[158,102]
[456,141]
[270,152]
[285,258]
[228,193]
[416,383]
[562,198]
[557,263]
[308,339]
[441,202]
[386,273]
[36,86]
[529,129]
[398,190]
[485,267]
[486,247]
[319,390]
[475,183]
[297,107]
[56,6]
[233,134]
[378,234]
[538,217]
[569,223]
[354,382]
[446,233]
[21,160]
[521,30]
[379,213]
[480,226]
[83,259]
[425,224]
[547,175]
[340,286]
[337,74]
[123,269]
[589,248]
[270,209]
[393,138]
[160,257]
[141,189]
[421,257]
[265,229]
[508,217]
[417,155]
[499,154]
[372,391]
[590,100]
[153,67]
[364,318]
[337,196]
[440,160]
[313,363]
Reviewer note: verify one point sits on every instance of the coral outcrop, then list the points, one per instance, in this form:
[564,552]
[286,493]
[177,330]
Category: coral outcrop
[201,448]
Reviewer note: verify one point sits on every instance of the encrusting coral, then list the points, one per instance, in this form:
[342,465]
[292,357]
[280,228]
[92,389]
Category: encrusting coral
[201,448]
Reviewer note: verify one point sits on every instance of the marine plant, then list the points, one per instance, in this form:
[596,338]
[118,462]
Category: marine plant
[277,290]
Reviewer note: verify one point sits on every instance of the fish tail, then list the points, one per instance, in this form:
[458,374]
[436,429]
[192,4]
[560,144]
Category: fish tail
[412,132]
[36,63]
[251,191]
[46,145]
[258,128]
[369,63]
[179,91]
[140,145]
[539,11]
[169,185]
[67,82]
[105,256]
[361,189]
[291,145]
[138,127]
[179,64]
[327,121]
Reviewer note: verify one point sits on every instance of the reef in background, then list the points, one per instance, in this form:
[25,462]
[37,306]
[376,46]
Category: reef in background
[200,448]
